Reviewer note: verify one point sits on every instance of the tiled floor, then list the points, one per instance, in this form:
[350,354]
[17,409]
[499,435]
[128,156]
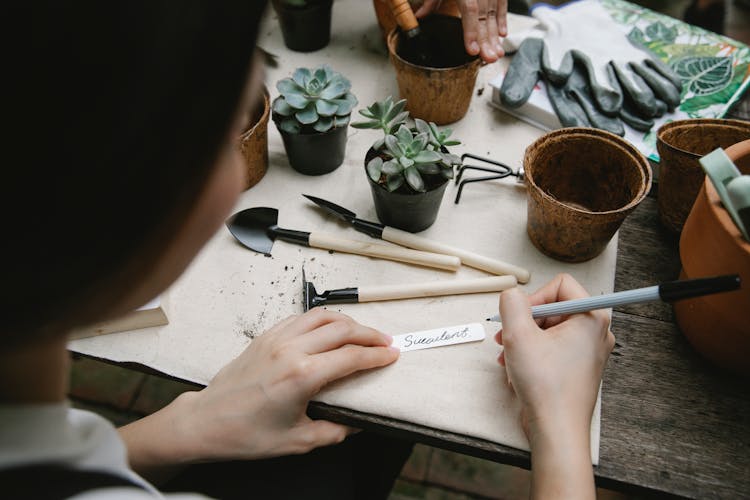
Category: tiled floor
[123,395]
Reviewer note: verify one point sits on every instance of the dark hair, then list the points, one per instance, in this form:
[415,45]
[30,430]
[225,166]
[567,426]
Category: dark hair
[119,124]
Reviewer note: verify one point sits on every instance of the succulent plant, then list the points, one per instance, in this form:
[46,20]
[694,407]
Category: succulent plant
[313,100]
[385,115]
[405,155]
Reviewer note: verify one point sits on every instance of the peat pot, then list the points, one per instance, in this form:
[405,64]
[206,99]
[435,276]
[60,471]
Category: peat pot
[405,209]
[254,143]
[581,184]
[307,28]
[681,144]
[717,326]
[435,74]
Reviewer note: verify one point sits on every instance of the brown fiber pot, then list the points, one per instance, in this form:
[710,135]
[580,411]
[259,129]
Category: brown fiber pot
[387,22]
[718,326]
[582,183]
[254,144]
[680,145]
[436,94]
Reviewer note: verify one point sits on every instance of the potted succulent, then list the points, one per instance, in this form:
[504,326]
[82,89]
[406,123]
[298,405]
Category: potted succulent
[408,168]
[312,114]
[305,24]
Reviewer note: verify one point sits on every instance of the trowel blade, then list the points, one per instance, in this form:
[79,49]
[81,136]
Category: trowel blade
[250,227]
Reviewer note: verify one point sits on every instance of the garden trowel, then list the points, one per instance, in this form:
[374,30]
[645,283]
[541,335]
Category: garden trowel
[257,229]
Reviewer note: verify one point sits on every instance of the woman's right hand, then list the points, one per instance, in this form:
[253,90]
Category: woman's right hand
[555,367]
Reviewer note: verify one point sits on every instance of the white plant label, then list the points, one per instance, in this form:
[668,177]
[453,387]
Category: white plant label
[439,337]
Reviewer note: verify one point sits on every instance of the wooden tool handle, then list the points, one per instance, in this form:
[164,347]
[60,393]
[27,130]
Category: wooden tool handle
[436,288]
[469,258]
[331,242]
[404,15]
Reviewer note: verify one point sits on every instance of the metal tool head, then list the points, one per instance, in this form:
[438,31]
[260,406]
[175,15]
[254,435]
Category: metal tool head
[251,227]
[332,208]
[308,293]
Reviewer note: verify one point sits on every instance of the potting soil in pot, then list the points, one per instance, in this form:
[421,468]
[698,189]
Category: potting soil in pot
[440,44]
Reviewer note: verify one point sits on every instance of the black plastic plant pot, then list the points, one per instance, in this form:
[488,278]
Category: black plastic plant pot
[405,209]
[316,153]
[307,28]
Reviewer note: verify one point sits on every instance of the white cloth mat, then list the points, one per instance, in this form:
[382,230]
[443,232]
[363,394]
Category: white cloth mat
[230,294]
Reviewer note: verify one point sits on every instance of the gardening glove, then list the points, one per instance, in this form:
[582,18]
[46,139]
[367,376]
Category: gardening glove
[585,33]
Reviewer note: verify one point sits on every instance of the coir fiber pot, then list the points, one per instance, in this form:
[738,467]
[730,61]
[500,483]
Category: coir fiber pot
[254,143]
[717,326]
[581,184]
[315,153]
[680,145]
[404,209]
[387,22]
[307,28]
[435,74]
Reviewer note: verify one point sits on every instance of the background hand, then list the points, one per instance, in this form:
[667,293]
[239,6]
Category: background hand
[484,22]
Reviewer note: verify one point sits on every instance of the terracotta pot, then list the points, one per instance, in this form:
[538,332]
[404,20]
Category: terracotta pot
[681,144]
[254,144]
[717,325]
[435,94]
[582,183]
[387,22]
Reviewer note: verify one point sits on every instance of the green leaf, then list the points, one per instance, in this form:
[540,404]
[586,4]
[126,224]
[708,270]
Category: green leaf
[394,124]
[704,75]
[414,179]
[288,86]
[427,156]
[281,107]
[393,182]
[378,145]
[323,124]
[393,146]
[447,172]
[422,126]
[404,136]
[366,113]
[637,37]
[374,168]
[695,105]
[334,91]
[365,125]
[325,108]
[290,126]
[406,162]
[320,74]
[391,167]
[340,121]
[302,76]
[451,143]
[297,101]
[307,115]
[418,144]
[345,105]
[394,110]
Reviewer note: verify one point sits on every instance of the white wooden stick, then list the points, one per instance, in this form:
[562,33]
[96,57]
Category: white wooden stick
[437,260]
[436,288]
[471,259]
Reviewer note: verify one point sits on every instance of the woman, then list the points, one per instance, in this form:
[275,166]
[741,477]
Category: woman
[136,169]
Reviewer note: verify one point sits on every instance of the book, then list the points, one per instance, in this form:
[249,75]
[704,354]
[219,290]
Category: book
[715,71]
[151,314]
